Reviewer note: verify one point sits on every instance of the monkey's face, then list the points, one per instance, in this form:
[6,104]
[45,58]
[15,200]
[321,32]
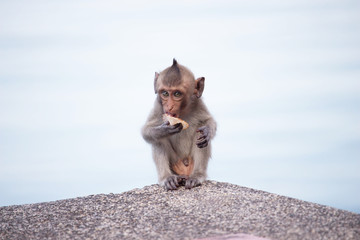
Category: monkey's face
[174,100]
[177,90]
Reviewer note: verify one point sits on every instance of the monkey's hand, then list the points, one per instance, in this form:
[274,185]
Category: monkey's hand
[167,129]
[204,137]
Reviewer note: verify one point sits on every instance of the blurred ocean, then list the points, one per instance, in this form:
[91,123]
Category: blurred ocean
[282,81]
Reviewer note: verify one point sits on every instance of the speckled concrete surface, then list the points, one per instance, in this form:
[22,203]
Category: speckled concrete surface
[213,209]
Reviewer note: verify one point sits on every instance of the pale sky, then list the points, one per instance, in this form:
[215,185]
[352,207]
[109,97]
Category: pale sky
[282,82]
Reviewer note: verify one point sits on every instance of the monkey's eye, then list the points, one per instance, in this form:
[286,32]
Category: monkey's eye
[164,94]
[177,94]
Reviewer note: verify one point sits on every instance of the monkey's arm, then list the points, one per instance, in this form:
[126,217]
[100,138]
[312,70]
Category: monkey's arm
[207,132]
[153,133]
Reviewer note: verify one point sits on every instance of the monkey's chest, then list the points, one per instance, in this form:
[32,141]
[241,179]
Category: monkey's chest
[182,144]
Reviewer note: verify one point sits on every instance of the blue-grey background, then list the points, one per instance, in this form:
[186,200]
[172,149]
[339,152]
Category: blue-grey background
[282,81]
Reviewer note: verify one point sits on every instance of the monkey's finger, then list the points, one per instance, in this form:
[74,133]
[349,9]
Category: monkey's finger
[170,185]
[202,140]
[174,184]
[202,144]
[167,123]
[173,187]
[192,182]
[201,129]
[202,137]
[178,125]
[176,128]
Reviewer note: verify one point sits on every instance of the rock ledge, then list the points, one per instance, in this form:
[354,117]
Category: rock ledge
[213,209]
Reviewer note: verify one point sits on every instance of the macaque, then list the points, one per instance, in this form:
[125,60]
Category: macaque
[181,155]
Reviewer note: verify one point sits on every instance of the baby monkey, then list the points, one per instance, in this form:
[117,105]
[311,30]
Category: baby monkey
[181,155]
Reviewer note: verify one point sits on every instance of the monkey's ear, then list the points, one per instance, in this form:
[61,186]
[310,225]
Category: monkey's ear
[199,87]
[155,81]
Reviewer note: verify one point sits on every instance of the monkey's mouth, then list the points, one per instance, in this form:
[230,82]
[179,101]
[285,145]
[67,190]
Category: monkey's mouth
[171,114]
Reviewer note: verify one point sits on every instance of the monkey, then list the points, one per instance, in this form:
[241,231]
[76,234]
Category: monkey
[181,155]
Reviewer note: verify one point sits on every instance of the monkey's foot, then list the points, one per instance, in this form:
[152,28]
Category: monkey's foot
[192,182]
[172,182]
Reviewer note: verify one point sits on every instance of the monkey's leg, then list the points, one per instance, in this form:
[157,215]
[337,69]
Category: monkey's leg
[166,177]
[201,158]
